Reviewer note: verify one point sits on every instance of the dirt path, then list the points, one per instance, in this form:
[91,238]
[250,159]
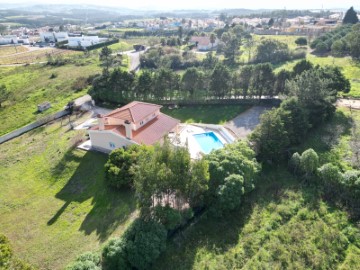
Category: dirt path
[350,103]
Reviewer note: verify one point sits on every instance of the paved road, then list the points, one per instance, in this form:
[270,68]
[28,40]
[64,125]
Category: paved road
[243,124]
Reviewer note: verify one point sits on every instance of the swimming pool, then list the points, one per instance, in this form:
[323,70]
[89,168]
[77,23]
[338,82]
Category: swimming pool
[208,141]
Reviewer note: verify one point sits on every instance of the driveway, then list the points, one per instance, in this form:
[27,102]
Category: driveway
[243,124]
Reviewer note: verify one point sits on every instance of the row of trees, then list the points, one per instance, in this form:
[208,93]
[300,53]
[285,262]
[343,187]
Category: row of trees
[250,81]
[343,40]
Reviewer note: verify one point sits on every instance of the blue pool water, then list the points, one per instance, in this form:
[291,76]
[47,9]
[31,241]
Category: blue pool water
[208,141]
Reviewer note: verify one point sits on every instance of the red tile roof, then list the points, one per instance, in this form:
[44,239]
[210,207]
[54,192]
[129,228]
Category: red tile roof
[203,41]
[134,111]
[150,133]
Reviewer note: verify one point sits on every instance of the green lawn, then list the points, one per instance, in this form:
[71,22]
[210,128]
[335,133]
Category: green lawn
[32,85]
[54,204]
[282,225]
[208,114]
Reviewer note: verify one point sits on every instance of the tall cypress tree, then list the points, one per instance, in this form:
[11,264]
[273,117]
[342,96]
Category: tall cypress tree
[351,16]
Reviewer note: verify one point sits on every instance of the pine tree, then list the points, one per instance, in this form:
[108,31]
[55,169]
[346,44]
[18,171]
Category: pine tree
[350,17]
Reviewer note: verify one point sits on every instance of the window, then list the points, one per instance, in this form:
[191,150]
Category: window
[141,123]
[112,145]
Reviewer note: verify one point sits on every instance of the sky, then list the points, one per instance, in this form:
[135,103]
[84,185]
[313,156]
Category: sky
[207,4]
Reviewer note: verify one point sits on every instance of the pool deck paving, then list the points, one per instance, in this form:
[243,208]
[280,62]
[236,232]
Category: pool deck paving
[243,124]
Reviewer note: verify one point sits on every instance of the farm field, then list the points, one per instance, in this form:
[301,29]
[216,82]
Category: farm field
[283,224]
[8,50]
[54,204]
[208,114]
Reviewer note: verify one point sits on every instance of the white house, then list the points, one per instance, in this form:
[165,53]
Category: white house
[8,39]
[84,41]
[135,123]
[203,43]
[47,37]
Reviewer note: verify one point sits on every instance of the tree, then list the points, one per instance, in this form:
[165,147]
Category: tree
[309,162]
[249,45]
[350,16]
[339,47]
[272,51]
[210,61]
[192,81]
[234,159]
[271,22]
[212,39]
[315,93]
[321,47]
[353,41]
[280,82]
[144,85]
[220,81]
[118,168]
[180,32]
[262,80]
[145,242]
[106,57]
[301,66]
[301,41]
[295,119]
[295,162]
[270,137]
[229,195]
[2,29]
[4,94]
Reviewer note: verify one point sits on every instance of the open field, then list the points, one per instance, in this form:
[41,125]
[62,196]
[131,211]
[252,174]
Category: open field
[8,50]
[350,68]
[209,114]
[34,56]
[32,85]
[282,225]
[54,204]
[289,40]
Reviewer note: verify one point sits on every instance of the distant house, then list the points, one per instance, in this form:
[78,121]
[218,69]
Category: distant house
[49,37]
[203,43]
[8,39]
[84,41]
[135,123]
[43,106]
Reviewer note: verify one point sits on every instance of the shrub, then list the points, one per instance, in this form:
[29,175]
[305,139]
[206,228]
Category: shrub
[301,41]
[168,216]
[80,83]
[294,163]
[114,255]
[309,162]
[86,261]
[118,169]
[229,195]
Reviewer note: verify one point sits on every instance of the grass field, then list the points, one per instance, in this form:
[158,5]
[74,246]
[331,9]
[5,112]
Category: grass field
[350,68]
[8,50]
[34,56]
[282,225]
[32,85]
[54,204]
[209,114]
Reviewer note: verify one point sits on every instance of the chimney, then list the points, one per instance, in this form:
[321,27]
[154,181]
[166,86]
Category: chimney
[128,129]
[101,122]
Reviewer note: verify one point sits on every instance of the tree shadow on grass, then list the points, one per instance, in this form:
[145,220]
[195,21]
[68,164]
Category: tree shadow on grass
[110,208]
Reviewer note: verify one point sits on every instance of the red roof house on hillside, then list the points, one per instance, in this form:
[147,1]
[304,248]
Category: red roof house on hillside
[134,123]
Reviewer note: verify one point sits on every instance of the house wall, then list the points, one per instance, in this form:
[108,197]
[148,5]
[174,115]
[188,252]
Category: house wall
[102,140]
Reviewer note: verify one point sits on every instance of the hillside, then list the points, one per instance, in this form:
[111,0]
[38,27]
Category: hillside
[284,223]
